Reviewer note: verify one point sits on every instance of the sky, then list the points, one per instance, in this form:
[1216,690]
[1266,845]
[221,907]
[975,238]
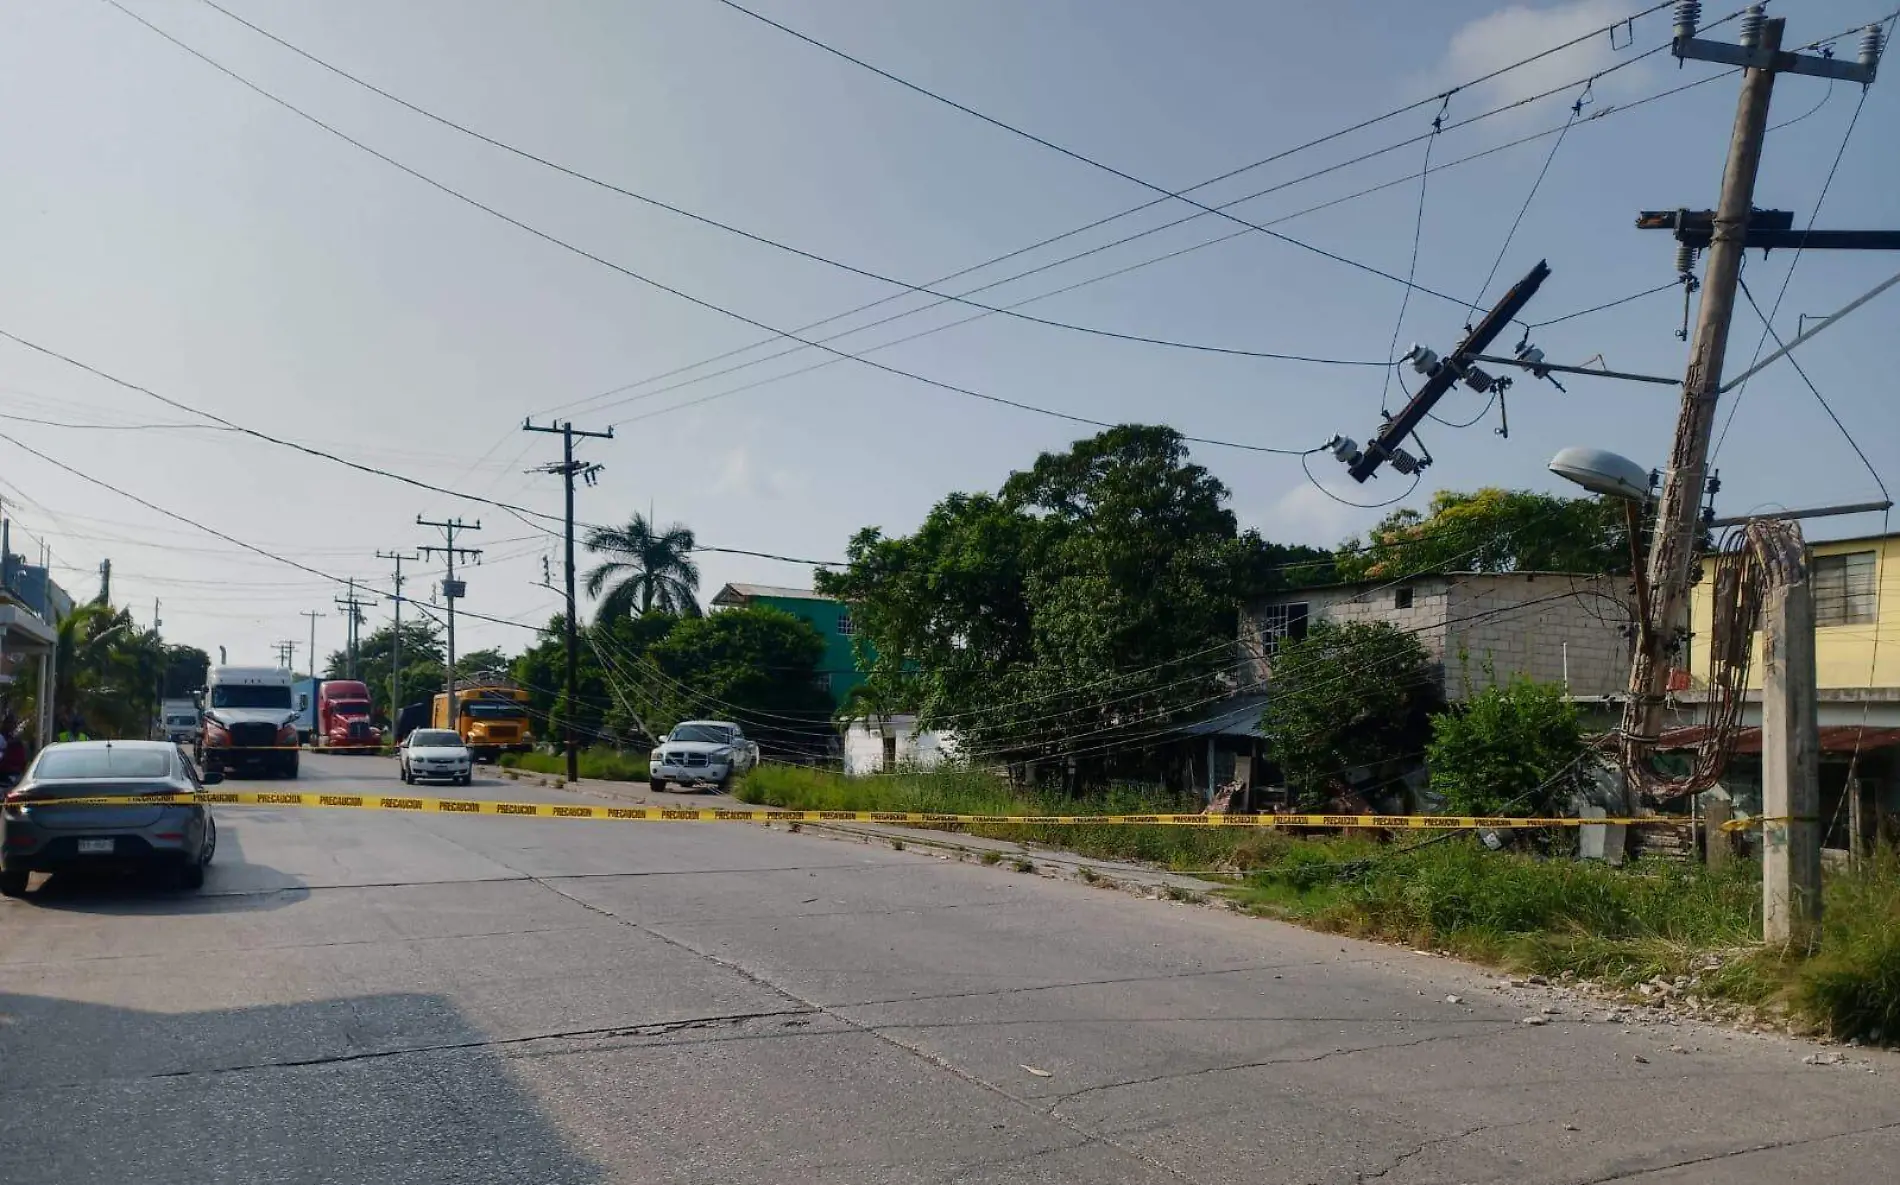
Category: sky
[169,227]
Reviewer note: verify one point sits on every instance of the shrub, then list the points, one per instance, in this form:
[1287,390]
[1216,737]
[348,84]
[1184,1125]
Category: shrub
[1494,755]
[599,763]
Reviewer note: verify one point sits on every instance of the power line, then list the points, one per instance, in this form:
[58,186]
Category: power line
[1411,268]
[1121,271]
[1788,277]
[764,240]
[1072,154]
[640,277]
[1768,327]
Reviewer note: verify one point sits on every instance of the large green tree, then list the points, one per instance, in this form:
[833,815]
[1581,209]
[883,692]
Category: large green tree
[1348,695]
[646,569]
[613,702]
[756,666]
[186,671]
[1078,611]
[1492,530]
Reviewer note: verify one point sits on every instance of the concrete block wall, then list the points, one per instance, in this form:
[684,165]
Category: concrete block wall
[1534,625]
[1520,622]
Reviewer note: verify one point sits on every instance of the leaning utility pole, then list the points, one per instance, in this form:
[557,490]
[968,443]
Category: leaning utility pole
[352,607]
[569,469]
[395,643]
[1788,709]
[452,590]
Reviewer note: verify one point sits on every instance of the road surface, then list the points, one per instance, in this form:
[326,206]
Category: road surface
[382,998]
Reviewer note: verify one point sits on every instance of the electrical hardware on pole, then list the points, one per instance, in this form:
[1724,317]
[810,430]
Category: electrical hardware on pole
[568,469]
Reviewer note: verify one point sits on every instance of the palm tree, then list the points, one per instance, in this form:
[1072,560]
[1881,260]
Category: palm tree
[648,570]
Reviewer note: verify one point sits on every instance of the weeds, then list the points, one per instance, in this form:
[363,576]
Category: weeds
[991,857]
[598,763]
[1023,865]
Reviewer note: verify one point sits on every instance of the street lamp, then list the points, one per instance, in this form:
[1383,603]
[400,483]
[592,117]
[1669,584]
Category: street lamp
[1603,472]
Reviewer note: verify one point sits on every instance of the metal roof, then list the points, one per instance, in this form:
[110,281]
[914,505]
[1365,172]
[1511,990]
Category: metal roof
[739,594]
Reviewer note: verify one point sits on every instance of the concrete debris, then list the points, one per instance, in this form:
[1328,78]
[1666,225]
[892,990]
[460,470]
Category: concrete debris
[1039,1073]
[1824,1058]
[1535,1020]
[1639,1059]
[1454,999]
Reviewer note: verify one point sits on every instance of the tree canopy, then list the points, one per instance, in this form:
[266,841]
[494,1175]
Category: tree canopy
[1347,695]
[646,569]
[1492,530]
[422,659]
[1085,605]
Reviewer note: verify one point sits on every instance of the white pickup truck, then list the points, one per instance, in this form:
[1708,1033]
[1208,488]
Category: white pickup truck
[700,753]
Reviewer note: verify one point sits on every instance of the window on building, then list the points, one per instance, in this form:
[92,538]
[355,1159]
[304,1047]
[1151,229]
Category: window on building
[1844,588]
[1402,598]
[1279,623]
[846,626]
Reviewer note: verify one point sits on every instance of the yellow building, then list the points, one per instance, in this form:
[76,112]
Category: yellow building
[1856,588]
[1856,620]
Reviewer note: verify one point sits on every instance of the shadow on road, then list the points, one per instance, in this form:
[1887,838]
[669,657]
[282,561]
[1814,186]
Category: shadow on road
[133,893]
[393,1088]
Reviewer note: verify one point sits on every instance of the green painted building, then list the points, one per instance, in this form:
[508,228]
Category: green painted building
[838,669]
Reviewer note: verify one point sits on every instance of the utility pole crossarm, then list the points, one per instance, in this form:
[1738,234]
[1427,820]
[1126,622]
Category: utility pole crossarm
[568,469]
[1442,374]
[452,590]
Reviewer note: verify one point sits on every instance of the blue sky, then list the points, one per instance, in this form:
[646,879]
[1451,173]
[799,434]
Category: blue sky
[168,226]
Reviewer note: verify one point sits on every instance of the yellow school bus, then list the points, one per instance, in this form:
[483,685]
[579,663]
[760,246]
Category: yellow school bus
[493,719]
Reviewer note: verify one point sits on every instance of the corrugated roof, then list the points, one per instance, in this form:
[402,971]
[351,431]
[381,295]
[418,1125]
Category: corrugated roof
[735,594]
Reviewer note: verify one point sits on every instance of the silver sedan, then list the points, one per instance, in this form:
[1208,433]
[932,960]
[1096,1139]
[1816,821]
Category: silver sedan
[37,834]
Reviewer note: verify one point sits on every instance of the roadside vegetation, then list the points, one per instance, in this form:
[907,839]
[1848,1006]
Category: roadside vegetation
[1622,928]
[599,762]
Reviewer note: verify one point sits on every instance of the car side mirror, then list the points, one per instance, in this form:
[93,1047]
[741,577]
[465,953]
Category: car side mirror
[211,777]
[665,737]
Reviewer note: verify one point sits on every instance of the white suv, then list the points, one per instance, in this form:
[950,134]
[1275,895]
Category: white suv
[701,753]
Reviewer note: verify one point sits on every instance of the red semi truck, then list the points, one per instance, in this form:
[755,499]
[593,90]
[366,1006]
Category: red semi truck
[343,722]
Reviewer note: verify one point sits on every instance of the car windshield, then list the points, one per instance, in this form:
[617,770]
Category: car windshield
[249,695]
[181,720]
[714,733]
[492,709]
[351,708]
[102,761]
[434,738]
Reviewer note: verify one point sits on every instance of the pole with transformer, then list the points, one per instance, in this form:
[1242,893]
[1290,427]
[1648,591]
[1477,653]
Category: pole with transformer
[395,642]
[569,469]
[352,607]
[1791,882]
[452,590]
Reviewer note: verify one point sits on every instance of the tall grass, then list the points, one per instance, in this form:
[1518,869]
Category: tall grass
[972,792]
[599,763]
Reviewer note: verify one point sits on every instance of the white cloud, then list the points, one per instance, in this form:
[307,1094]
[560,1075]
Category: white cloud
[1521,30]
[1304,514]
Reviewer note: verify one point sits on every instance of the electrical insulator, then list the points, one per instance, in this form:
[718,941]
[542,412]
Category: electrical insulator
[1685,259]
[1870,46]
[1345,448]
[1404,462]
[1477,379]
[1688,18]
[1752,21]
[1423,360]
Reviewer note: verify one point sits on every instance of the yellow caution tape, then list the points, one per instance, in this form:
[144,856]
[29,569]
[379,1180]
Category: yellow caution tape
[656,814]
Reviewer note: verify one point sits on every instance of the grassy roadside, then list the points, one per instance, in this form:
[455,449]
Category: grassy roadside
[599,763]
[1621,928]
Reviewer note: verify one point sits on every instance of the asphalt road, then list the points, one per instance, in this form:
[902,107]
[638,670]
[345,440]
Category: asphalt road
[384,998]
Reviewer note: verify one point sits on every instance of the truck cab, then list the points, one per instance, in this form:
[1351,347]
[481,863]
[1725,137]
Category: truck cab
[250,721]
[343,718]
[492,720]
[178,721]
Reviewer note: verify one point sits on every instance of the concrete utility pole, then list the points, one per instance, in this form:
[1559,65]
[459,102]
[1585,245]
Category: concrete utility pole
[452,590]
[312,614]
[1790,754]
[569,469]
[286,655]
[395,644]
[352,607]
[1790,744]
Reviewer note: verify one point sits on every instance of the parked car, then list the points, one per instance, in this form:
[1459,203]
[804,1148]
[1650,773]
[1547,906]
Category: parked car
[701,753]
[434,754]
[39,835]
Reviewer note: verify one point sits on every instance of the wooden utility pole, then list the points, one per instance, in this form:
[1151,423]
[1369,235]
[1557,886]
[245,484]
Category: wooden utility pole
[452,590]
[1673,547]
[569,469]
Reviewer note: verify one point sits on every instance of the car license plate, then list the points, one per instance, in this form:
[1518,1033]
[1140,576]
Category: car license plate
[95,847]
